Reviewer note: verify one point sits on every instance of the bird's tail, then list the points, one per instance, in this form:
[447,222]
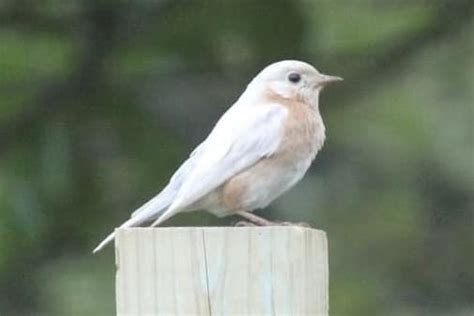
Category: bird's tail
[149,211]
[134,221]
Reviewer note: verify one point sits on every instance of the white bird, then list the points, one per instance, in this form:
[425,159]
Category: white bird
[262,145]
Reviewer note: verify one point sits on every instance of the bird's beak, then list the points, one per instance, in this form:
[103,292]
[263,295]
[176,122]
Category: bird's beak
[326,79]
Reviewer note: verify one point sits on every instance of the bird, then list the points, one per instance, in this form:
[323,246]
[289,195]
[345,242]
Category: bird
[258,149]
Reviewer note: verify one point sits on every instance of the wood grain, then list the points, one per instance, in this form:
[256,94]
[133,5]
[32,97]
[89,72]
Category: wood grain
[222,271]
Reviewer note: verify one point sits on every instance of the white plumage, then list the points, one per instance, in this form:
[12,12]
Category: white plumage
[258,149]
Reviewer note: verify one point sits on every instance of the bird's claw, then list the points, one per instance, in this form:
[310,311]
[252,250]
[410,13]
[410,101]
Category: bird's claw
[250,224]
[299,224]
[244,224]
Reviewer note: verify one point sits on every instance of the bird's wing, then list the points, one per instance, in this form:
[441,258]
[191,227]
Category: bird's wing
[245,134]
[166,196]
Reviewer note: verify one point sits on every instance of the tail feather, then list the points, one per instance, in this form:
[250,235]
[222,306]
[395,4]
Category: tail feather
[104,242]
[150,210]
[173,209]
[132,222]
[156,207]
[159,202]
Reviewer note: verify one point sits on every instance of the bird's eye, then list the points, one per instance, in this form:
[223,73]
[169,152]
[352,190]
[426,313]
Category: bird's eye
[294,77]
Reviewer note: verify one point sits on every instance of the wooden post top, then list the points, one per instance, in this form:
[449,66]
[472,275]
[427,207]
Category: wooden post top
[281,270]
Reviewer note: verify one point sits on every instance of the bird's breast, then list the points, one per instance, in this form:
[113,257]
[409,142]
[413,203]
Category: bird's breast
[302,137]
[303,134]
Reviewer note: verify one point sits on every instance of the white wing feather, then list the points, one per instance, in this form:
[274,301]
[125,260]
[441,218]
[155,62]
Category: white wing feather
[163,199]
[245,134]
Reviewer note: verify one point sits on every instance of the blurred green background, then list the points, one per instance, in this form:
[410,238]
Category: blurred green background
[101,100]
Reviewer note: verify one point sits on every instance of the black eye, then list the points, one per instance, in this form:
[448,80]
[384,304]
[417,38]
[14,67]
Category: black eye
[294,77]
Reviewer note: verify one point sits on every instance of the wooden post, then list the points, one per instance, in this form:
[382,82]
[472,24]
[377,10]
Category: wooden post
[222,271]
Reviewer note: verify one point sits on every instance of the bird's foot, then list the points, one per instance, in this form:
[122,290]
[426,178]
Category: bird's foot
[299,224]
[244,224]
[270,224]
[254,220]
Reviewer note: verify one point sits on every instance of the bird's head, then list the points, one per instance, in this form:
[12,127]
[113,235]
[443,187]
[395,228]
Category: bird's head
[294,80]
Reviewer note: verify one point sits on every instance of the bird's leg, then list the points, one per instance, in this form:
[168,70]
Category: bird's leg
[299,224]
[254,219]
[241,223]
